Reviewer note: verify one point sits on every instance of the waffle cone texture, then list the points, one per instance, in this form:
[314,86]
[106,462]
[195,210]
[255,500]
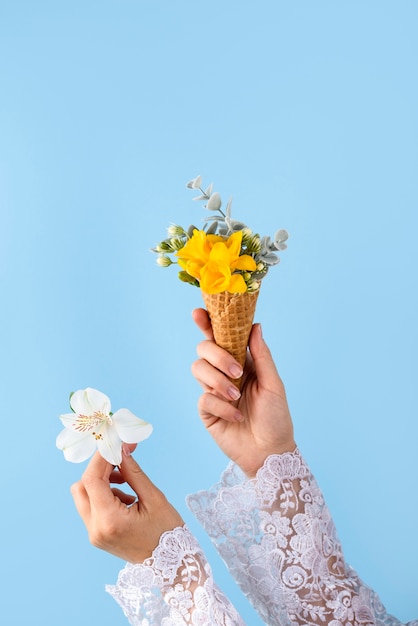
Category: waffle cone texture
[232,317]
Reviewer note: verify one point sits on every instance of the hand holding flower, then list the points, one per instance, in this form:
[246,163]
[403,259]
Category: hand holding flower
[125,525]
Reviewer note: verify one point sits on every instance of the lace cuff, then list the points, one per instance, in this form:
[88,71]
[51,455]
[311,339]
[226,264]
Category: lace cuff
[173,587]
[278,539]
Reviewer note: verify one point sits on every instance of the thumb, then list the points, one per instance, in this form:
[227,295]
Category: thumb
[267,374]
[136,478]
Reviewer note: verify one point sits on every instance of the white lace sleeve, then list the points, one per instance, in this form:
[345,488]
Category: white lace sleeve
[278,540]
[174,587]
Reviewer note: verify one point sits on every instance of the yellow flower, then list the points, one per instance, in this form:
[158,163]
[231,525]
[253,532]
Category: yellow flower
[195,253]
[217,277]
[212,260]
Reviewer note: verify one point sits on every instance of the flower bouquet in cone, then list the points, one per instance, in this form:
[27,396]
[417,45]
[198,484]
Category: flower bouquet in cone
[228,262]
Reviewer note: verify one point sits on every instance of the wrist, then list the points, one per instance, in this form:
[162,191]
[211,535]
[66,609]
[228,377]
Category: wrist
[251,464]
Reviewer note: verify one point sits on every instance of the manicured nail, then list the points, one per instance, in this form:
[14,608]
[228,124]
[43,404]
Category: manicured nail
[238,416]
[125,449]
[234,392]
[235,370]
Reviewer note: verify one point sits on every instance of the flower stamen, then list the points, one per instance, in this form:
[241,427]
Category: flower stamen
[84,423]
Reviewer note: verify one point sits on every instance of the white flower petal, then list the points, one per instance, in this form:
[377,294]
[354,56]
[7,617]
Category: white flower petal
[89,401]
[130,428]
[110,446]
[77,447]
[69,420]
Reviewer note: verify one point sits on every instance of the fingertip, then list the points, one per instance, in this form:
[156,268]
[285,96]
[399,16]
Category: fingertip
[74,488]
[128,448]
[199,314]
[196,313]
[257,338]
[233,393]
[129,466]
[202,320]
[257,330]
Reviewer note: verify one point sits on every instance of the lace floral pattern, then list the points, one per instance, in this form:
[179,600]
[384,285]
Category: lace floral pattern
[173,587]
[278,539]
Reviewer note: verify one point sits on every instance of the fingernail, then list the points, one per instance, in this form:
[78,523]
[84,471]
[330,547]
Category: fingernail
[125,449]
[233,392]
[238,416]
[235,370]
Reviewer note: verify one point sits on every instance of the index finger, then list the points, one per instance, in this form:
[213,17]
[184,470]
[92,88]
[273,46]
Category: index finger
[202,320]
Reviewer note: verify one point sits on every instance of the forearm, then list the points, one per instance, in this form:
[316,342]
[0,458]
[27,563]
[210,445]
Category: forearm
[279,541]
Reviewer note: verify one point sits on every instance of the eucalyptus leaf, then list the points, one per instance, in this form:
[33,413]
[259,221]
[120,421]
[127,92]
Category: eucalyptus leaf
[195,183]
[280,246]
[265,244]
[270,258]
[213,218]
[260,275]
[214,202]
[212,228]
[191,229]
[280,236]
[228,223]
[235,225]
[228,207]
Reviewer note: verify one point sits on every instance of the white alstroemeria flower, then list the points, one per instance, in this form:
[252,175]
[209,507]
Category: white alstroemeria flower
[92,425]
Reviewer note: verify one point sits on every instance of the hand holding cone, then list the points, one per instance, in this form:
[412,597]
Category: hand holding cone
[232,317]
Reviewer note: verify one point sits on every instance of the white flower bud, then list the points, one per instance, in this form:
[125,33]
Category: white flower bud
[254,285]
[164,261]
[177,243]
[174,230]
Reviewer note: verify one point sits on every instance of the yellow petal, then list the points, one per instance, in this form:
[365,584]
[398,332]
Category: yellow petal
[234,243]
[196,248]
[215,277]
[220,253]
[237,284]
[245,262]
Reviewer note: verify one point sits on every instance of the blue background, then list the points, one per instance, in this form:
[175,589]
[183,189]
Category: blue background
[304,112]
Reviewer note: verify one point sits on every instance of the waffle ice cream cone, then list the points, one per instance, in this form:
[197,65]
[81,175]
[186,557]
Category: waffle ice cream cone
[232,318]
